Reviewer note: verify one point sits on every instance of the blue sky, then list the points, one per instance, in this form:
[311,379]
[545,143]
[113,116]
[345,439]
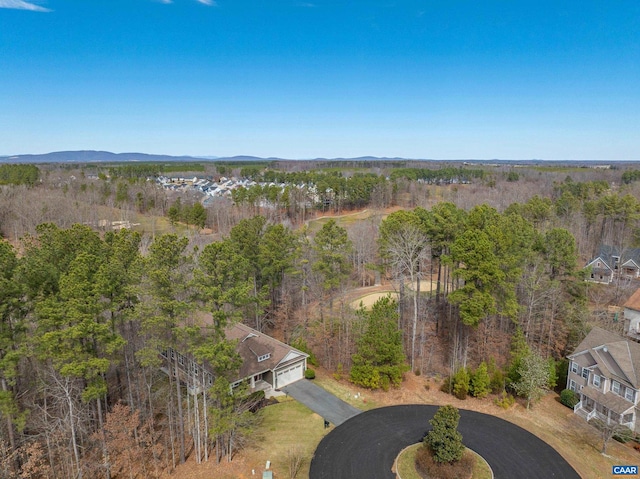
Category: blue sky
[322,78]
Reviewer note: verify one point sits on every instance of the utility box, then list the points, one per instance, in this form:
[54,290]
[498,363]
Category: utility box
[267,475]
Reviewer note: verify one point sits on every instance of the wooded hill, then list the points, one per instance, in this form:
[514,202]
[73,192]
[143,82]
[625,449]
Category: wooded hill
[86,313]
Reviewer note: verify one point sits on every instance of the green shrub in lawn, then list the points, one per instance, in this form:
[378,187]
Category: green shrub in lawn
[310,374]
[505,401]
[569,398]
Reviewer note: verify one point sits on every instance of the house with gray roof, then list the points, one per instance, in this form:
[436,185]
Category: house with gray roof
[604,371]
[611,262]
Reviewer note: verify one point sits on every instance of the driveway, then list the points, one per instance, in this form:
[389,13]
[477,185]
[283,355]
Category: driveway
[366,446]
[333,409]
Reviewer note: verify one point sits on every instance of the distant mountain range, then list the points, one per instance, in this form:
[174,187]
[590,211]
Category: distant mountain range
[91,156]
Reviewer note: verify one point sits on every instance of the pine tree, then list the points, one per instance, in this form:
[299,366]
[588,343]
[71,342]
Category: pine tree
[444,440]
[480,381]
[380,361]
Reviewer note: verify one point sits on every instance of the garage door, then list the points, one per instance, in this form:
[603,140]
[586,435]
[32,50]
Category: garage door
[289,375]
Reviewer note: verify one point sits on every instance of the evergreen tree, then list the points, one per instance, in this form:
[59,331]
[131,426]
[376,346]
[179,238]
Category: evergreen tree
[379,361]
[332,246]
[461,380]
[444,440]
[480,381]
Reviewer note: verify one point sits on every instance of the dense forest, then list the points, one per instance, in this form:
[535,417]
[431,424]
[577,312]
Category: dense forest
[482,261]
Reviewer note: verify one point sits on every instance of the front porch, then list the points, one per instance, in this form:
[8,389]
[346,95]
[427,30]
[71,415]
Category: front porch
[588,409]
[259,384]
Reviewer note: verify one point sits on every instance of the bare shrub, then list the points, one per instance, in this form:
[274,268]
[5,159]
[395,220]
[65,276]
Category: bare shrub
[428,468]
[295,458]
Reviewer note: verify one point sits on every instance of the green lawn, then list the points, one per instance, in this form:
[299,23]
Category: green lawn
[288,427]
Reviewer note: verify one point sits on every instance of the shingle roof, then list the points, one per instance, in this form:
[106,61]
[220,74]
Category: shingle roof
[619,356]
[634,301]
[616,403]
[253,344]
[607,252]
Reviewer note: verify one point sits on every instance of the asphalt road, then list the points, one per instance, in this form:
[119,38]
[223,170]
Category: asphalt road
[365,446]
[328,406]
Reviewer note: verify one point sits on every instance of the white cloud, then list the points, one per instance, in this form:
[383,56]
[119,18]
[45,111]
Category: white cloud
[22,5]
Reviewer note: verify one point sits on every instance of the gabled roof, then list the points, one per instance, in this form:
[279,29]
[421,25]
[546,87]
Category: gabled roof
[597,267]
[613,354]
[634,301]
[607,252]
[630,263]
[253,345]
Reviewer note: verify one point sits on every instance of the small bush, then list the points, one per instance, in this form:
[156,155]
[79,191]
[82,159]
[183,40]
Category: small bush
[624,435]
[309,374]
[461,380]
[446,386]
[339,372]
[569,398]
[366,376]
[385,382]
[505,401]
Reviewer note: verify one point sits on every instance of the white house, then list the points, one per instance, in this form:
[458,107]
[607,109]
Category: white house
[632,316]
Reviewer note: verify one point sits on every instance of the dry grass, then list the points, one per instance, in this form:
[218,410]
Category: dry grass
[406,463]
[285,426]
[369,300]
[348,219]
[290,423]
[356,396]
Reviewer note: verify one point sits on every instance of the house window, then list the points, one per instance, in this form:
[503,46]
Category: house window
[574,367]
[264,357]
[628,417]
[572,385]
[629,394]
[585,373]
[596,380]
[615,387]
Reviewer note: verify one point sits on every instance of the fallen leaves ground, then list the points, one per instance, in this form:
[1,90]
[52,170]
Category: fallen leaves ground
[554,423]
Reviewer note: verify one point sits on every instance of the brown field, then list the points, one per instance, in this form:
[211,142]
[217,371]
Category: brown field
[290,424]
